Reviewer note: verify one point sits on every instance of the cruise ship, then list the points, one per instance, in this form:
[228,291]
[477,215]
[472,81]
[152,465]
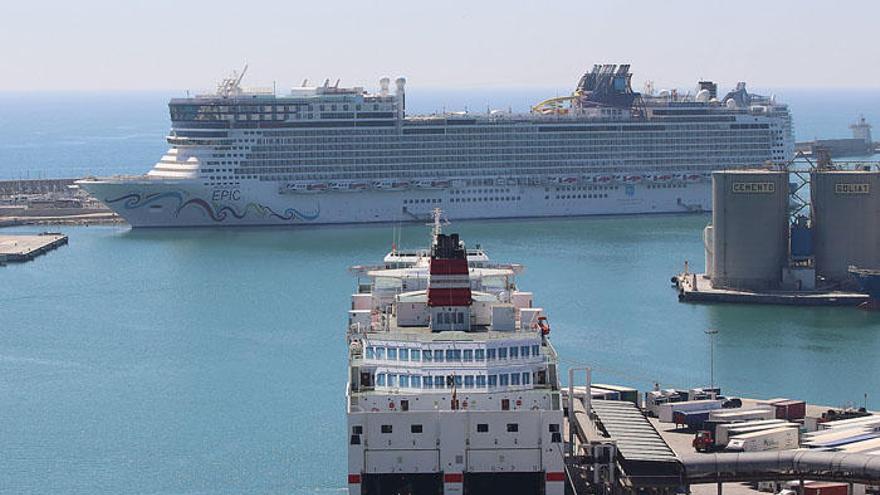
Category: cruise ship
[330,154]
[453,384]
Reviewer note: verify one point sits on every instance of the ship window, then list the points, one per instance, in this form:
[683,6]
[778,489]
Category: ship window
[415,355]
[504,379]
[514,378]
[371,352]
[490,354]
[380,379]
[438,355]
[415,428]
[428,383]
[404,354]
[357,430]
[469,381]
[524,351]
[526,377]
[392,380]
[493,380]
[502,353]
[404,381]
[456,354]
[514,352]
[512,427]
[449,355]
[392,354]
[482,427]
[505,404]
[387,429]
[438,381]
[535,350]
[427,356]
[416,381]
[481,381]
[553,427]
[380,353]
[468,354]
[480,354]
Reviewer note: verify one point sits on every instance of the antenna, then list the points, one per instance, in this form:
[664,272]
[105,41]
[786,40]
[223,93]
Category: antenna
[437,224]
[305,82]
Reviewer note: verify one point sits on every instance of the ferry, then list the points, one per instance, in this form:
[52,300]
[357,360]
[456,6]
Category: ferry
[453,383]
[253,157]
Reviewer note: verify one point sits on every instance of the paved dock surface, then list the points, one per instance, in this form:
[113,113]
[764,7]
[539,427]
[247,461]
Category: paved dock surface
[694,287]
[24,247]
[680,441]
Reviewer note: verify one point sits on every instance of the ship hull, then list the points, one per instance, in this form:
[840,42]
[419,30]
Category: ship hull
[190,203]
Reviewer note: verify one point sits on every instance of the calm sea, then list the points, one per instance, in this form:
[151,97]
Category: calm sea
[213,361]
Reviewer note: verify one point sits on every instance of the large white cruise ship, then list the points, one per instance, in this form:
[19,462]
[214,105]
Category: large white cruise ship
[453,384]
[328,154]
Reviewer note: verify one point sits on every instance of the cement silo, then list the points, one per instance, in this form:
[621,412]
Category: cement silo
[846,222]
[749,228]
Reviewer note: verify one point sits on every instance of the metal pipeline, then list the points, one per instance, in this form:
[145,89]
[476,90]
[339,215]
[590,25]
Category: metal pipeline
[781,465]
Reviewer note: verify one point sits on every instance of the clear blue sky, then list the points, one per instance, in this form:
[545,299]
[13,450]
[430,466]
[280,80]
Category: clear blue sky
[165,44]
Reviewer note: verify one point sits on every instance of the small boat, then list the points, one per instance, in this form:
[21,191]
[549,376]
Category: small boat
[293,187]
[432,184]
[317,187]
[869,281]
[359,186]
[603,179]
[391,185]
[568,180]
[340,186]
[632,179]
[662,178]
[692,177]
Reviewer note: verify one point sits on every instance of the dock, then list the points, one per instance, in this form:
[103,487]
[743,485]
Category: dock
[25,247]
[696,288]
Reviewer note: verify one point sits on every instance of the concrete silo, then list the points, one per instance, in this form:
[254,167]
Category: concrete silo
[846,222]
[749,229]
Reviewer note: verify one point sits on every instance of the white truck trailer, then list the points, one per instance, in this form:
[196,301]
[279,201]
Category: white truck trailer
[782,438]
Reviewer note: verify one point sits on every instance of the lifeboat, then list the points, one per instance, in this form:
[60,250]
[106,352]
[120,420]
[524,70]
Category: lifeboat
[359,186]
[662,178]
[632,179]
[317,187]
[692,177]
[340,186]
[568,180]
[603,179]
[432,184]
[293,187]
[391,185]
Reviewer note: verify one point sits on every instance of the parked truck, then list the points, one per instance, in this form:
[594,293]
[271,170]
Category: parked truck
[739,415]
[665,411]
[724,432]
[782,438]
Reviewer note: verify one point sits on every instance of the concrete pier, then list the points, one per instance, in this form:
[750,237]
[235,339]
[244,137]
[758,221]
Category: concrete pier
[695,287]
[24,247]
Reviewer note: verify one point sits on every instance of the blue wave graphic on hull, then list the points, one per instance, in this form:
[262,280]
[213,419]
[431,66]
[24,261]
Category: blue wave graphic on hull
[133,201]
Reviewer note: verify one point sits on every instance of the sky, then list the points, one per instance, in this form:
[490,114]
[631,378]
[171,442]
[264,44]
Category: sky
[181,44]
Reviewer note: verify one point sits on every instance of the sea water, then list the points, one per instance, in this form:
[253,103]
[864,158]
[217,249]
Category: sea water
[214,361]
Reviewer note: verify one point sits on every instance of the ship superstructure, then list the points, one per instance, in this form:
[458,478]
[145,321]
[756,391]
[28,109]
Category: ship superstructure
[330,154]
[452,379]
